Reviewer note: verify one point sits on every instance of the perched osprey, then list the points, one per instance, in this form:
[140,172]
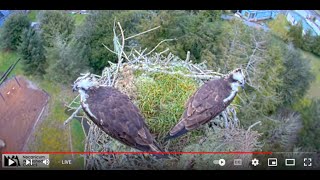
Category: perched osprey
[115,114]
[207,102]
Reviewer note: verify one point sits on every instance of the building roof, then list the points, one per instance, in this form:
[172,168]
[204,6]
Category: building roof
[5,12]
[302,13]
[305,14]
[306,24]
[314,27]
[252,11]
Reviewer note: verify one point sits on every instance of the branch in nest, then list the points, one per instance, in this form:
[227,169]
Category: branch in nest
[188,56]
[199,76]
[72,116]
[109,49]
[159,45]
[250,127]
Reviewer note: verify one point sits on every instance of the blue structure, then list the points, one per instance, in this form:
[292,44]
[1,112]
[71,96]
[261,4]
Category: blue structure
[295,17]
[3,15]
[257,15]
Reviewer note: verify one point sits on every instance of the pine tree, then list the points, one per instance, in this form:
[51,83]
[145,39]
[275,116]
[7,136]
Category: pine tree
[12,30]
[295,35]
[316,46]
[309,136]
[55,23]
[67,60]
[98,30]
[32,52]
[279,26]
[308,41]
[296,77]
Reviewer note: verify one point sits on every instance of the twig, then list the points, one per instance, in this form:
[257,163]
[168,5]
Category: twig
[142,33]
[109,77]
[73,102]
[188,56]
[170,56]
[72,116]
[109,49]
[159,45]
[123,40]
[140,54]
[164,51]
[256,123]
[196,67]
[119,56]
[200,76]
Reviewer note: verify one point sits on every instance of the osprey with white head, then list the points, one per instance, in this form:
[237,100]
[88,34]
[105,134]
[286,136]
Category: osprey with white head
[115,114]
[208,101]
[84,83]
[237,79]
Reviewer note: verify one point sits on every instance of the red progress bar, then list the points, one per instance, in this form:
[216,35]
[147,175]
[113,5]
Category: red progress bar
[265,153]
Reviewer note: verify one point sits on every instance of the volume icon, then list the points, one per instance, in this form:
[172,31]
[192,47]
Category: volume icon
[46,162]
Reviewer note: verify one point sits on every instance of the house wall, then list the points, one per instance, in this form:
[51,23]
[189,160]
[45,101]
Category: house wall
[291,19]
[253,15]
[263,15]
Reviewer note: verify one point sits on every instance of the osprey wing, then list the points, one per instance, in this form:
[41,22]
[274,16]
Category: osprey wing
[121,119]
[202,106]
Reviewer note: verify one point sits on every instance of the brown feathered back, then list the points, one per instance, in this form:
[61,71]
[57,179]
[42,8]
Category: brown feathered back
[120,118]
[205,104]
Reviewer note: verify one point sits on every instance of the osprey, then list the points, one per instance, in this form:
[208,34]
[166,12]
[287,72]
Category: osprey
[115,114]
[207,102]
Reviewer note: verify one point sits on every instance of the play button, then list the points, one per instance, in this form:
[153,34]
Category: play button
[11,162]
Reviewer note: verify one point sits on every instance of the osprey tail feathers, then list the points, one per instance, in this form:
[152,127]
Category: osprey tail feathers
[155,148]
[178,134]
[177,130]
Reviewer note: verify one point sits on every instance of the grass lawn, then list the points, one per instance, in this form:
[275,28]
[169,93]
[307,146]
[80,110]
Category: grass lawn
[33,15]
[78,139]
[314,91]
[8,58]
[79,18]
[50,135]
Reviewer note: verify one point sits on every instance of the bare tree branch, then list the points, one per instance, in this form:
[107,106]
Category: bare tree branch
[72,116]
[159,45]
[143,32]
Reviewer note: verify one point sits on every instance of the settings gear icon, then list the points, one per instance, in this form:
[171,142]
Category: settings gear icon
[255,162]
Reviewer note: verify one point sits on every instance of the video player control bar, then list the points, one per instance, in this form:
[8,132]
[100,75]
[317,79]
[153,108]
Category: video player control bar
[25,161]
